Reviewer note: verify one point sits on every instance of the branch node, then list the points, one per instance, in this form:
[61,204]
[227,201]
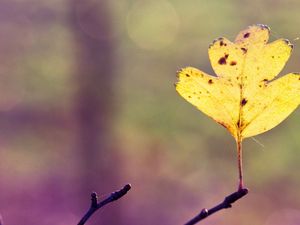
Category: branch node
[204,213]
[235,196]
[94,200]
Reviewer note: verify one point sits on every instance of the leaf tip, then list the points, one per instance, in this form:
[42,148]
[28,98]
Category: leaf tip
[216,40]
[288,43]
[263,27]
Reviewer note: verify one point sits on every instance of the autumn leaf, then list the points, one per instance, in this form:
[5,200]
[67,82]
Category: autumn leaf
[245,97]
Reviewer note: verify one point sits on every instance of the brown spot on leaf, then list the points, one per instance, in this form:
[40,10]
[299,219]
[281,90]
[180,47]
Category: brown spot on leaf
[222,61]
[226,56]
[265,80]
[244,102]
[233,63]
[210,81]
[222,43]
[187,75]
[189,96]
[244,50]
[246,35]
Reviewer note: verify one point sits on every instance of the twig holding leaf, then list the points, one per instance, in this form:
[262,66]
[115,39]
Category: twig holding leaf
[227,203]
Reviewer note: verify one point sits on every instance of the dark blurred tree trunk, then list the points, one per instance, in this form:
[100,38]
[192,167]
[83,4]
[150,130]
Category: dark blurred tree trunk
[94,61]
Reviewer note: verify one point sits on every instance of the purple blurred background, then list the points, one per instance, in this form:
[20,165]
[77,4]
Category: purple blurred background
[87,103]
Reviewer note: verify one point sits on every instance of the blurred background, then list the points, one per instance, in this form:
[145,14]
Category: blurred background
[87,103]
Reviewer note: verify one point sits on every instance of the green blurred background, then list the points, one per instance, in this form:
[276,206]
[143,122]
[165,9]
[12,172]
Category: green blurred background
[87,103]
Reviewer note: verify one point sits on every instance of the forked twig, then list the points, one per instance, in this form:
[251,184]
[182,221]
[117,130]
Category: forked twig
[95,205]
[230,199]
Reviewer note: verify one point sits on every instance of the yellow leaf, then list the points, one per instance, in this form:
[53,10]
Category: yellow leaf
[245,96]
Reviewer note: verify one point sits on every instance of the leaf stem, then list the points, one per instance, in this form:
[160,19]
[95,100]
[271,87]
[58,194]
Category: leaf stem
[240,163]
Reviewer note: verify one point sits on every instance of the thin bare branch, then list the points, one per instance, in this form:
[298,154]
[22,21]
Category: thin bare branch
[230,199]
[95,205]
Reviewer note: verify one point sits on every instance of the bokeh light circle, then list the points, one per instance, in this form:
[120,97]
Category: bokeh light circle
[152,25]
